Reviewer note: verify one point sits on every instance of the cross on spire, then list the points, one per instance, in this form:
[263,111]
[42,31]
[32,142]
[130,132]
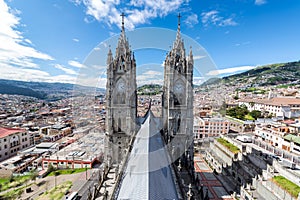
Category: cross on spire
[179,16]
[122,15]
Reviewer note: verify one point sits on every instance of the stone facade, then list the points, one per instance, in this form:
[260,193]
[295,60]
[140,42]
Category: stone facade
[177,99]
[121,107]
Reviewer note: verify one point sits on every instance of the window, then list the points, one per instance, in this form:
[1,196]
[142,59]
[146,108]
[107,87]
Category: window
[4,139]
[6,153]
[5,146]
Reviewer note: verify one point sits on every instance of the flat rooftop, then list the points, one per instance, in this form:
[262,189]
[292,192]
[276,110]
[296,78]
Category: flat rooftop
[86,148]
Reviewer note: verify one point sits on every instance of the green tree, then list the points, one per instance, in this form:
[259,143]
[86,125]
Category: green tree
[50,169]
[34,174]
[238,112]
[241,111]
[255,114]
[56,173]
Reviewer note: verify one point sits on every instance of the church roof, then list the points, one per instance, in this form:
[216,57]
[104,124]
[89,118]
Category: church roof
[148,174]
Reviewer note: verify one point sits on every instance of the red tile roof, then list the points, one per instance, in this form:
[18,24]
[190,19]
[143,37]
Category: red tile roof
[8,131]
[277,101]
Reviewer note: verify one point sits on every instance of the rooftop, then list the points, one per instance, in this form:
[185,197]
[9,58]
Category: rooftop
[277,101]
[4,132]
[46,145]
[148,174]
[293,138]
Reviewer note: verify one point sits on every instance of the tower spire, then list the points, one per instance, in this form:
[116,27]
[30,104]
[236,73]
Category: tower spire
[178,44]
[123,45]
[123,15]
[178,16]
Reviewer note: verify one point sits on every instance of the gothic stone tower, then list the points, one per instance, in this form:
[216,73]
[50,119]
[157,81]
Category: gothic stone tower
[177,102]
[121,98]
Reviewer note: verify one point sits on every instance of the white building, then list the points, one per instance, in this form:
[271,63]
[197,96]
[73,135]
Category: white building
[13,140]
[272,133]
[80,154]
[209,127]
[288,107]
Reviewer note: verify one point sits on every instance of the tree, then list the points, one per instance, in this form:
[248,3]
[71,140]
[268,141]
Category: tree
[56,173]
[50,169]
[33,175]
[11,178]
[255,114]
[238,112]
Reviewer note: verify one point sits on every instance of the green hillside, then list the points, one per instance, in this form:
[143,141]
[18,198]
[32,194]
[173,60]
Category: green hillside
[274,74]
[149,89]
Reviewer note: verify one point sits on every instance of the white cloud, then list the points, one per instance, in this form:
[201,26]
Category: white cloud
[150,77]
[112,34]
[191,20]
[140,12]
[75,63]
[240,44]
[91,81]
[229,70]
[23,74]
[198,57]
[66,70]
[153,73]
[198,80]
[15,49]
[260,2]
[75,40]
[213,17]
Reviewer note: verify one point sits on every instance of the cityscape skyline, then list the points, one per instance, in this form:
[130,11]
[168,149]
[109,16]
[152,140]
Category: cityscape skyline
[51,46]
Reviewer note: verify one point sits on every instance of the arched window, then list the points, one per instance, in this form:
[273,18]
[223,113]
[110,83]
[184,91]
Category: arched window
[119,125]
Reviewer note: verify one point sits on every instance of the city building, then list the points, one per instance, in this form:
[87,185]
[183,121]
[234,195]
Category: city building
[17,164]
[13,140]
[288,107]
[272,133]
[210,127]
[81,154]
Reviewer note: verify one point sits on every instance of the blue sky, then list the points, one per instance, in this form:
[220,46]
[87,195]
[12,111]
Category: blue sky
[48,40]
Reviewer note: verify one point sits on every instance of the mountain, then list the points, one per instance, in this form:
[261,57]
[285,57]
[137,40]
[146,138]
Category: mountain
[211,81]
[11,89]
[267,75]
[42,90]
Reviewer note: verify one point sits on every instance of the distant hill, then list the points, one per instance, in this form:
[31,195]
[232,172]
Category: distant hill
[10,89]
[149,89]
[41,90]
[274,74]
[211,81]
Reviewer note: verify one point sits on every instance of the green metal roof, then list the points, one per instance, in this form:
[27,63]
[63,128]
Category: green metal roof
[293,138]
